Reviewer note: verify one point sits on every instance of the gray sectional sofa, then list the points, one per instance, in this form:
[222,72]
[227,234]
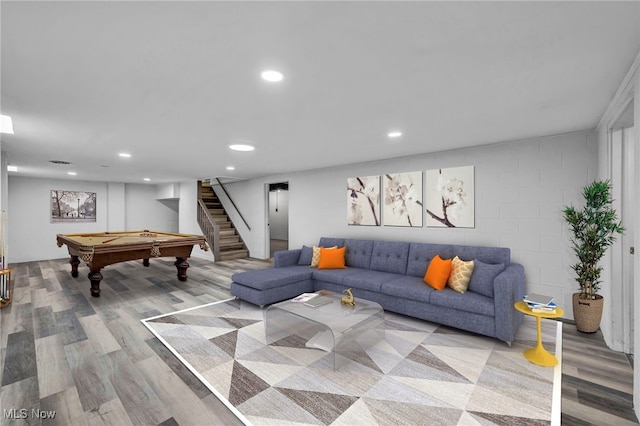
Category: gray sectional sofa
[391,274]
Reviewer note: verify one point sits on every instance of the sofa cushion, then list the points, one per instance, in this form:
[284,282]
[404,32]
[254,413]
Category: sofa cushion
[493,255]
[263,279]
[467,302]
[334,276]
[408,287]
[331,258]
[368,280]
[388,256]
[460,274]
[482,278]
[306,254]
[358,253]
[284,258]
[421,254]
[330,242]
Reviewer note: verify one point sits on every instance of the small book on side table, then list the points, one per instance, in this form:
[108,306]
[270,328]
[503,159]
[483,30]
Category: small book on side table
[538,299]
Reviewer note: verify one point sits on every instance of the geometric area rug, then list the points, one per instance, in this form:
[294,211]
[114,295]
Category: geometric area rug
[420,374]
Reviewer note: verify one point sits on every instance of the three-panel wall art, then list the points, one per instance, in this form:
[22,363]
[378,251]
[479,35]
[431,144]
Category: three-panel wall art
[398,199]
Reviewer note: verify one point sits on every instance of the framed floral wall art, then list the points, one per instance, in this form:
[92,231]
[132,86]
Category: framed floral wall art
[402,194]
[363,200]
[450,197]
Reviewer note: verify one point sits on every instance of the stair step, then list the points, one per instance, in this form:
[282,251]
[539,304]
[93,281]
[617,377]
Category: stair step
[230,246]
[234,254]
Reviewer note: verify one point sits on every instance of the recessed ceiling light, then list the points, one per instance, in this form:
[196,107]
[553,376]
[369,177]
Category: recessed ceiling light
[147,179]
[72,173]
[394,134]
[12,168]
[241,147]
[124,155]
[230,168]
[272,75]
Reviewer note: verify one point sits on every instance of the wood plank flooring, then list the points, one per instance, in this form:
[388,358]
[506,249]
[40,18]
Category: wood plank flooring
[90,360]
[597,383]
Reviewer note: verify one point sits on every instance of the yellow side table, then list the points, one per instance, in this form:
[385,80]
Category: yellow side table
[538,354]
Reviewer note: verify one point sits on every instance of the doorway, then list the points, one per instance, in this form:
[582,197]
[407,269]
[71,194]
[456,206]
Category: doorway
[622,180]
[278,217]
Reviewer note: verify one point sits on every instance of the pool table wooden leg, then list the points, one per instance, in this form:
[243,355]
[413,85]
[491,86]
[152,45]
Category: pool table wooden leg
[181,265]
[74,266]
[95,277]
[145,262]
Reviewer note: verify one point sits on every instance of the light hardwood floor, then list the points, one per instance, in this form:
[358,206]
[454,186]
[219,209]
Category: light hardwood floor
[93,362]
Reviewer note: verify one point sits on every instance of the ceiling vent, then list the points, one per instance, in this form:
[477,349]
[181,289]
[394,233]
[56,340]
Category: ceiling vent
[59,162]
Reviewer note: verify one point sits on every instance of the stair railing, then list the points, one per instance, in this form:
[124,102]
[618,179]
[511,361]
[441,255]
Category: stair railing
[210,228]
[232,203]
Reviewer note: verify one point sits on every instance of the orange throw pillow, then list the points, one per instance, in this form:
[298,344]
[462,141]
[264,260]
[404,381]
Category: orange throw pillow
[438,272]
[315,258]
[332,258]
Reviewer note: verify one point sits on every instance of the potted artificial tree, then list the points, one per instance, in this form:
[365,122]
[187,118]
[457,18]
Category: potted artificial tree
[593,230]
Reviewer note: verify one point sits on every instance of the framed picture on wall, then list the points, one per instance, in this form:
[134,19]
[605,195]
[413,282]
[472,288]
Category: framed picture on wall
[72,206]
[402,199]
[363,200]
[450,197]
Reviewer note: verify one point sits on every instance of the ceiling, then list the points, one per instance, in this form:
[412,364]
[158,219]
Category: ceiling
[174,83]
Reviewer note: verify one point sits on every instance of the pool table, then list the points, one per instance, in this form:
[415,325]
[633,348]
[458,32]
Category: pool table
[106,248]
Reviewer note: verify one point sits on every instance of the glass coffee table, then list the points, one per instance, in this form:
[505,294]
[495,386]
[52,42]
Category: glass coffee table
[336,328]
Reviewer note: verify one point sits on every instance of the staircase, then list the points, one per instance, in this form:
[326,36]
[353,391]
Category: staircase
[227,244]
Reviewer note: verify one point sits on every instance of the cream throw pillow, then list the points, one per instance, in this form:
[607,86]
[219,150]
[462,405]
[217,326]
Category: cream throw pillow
[315,259]
[460,276]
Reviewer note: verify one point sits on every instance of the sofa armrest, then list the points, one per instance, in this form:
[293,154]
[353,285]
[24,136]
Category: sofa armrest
[509,288]
[286,258]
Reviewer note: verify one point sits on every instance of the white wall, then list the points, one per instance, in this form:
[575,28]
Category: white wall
[521,188]
[4,181]
[629,91]
[32,236]
[144,211]
[116,218]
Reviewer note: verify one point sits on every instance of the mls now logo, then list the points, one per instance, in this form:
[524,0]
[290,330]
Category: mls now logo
[23,413]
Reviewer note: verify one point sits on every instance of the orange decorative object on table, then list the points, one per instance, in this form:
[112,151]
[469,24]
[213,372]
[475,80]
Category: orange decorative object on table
[98,250]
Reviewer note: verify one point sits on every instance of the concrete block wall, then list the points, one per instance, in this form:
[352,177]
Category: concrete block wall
[521,188]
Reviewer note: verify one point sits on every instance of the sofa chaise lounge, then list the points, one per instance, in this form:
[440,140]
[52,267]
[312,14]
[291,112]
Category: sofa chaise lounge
[392,274]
